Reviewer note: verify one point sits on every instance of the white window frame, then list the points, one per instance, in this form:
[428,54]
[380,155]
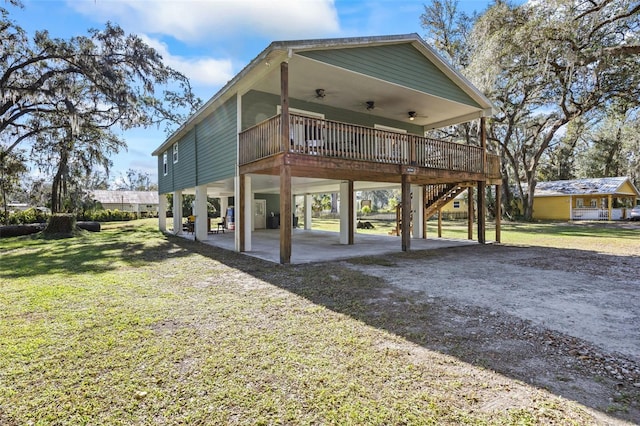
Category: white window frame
[165,164]
[579,203]
[389,128]
[175,153]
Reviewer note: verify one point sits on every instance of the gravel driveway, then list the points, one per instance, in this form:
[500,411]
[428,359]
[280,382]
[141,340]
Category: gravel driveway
[566,320]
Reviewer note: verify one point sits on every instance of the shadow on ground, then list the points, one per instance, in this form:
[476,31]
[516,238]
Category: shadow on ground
[568,366]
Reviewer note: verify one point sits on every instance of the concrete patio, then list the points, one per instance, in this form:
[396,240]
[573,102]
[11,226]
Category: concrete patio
[323,246]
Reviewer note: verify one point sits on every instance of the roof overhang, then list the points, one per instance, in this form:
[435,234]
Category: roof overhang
[346,89]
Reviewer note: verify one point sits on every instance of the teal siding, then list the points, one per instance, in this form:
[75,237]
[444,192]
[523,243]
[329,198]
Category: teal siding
[184,171]
[165,183]
[216,140]
[256,106]
[400,63]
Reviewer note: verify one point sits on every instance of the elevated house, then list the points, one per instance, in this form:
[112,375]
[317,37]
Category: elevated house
[332,115]
[585,199]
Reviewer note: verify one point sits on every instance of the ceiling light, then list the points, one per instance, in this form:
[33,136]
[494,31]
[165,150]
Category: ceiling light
[412,115]
[370,105]
[320,93]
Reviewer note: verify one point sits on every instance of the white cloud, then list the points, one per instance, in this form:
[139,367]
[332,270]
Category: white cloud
[199,20]
[200,71]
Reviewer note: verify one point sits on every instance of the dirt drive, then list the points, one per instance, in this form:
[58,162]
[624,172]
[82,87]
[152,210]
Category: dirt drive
[564,320]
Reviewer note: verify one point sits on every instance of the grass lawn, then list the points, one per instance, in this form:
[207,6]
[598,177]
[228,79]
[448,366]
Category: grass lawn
[615,238]
[129,326]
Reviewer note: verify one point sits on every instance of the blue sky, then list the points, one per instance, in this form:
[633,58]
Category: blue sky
[211,40]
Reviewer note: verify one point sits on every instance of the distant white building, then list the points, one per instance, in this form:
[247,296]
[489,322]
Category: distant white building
[144,203]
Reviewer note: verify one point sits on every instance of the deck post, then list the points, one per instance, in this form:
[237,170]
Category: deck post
[284,106]
[482,194]
[423,207]
[482,202]
[498,212]
[352,213]
[470,213]
[440,223]
[285,169]
[346,212]
[285,214]
[406,213]
[417,200]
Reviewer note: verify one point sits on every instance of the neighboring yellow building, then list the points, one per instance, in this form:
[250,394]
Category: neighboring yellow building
[585,199]
[456,208]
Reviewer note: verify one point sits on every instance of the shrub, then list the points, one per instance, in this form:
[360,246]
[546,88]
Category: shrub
[365,209]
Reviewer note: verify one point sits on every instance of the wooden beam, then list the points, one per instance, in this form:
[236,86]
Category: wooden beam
[470,213]
[424,211]
[483,143]
[482,208]
[439,223]
[406,214]
[351,214]
[285,214]
[285,169]
[498,212]
[284,104]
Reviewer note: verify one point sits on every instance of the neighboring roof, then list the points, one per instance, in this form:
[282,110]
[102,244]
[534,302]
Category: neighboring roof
[284,49]
[128,197]
[592,186]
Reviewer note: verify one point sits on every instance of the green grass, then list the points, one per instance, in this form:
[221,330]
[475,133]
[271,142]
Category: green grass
[129,326]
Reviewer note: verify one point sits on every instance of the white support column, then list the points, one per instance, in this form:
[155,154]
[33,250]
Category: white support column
[177,212]
[570,207]
[248,213]
[224,203]
[417,202]
[308,211]
[162,212]
[344,212]
[236,233]
[355,212]
[200,212]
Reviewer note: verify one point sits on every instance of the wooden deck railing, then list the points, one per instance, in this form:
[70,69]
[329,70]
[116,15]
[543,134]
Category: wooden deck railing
[314,136]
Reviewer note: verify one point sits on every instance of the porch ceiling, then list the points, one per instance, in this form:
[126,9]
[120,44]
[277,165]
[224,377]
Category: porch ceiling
[349,90]
[268,184]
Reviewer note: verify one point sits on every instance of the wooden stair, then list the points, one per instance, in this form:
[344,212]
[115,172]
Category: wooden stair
[437,195]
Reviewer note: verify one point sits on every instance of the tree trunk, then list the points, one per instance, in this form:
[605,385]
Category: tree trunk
[61,224]
[528,201]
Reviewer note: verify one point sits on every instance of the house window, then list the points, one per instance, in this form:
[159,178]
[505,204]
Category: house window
[456,204]
[175,152]
[594,203]
[580,203]
[165,166]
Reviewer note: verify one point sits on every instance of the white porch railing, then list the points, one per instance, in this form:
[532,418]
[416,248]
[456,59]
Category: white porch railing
[597,214]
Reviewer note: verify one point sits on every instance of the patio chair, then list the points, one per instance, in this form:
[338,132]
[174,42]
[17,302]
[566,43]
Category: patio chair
[190,225]
[222,225]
